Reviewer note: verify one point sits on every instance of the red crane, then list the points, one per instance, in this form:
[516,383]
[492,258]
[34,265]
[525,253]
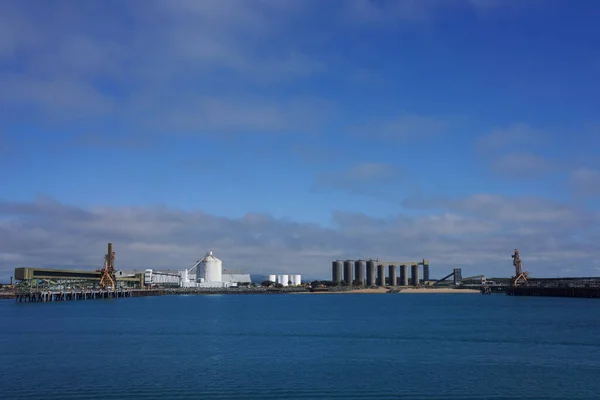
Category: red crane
[520,275]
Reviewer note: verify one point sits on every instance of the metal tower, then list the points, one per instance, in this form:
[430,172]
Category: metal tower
[520,275]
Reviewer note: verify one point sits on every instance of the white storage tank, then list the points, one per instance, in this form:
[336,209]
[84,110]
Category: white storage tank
[272,278]
[210,269]
[183,277]
[285,279]
[297,279]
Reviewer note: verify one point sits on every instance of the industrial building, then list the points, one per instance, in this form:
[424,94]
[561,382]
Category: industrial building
[205,273]
[208,273]
[352,272]
[63,279]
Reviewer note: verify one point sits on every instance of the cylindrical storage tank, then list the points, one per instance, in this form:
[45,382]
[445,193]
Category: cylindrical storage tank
[404,275]
[211,269]
[272,278]
[183,277]
[415,275]
[425,272]
[297,279]
[359,272]
[292,280]
[348,264]
[380,275]
[392,275]
[285,280]
[371,267]
[336,272]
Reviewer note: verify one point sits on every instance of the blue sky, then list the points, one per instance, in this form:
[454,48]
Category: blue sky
[288,134]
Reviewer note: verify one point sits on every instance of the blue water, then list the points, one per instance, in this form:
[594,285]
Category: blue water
[407,346]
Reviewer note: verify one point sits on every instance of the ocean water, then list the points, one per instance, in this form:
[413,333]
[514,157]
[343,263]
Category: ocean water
[350,346]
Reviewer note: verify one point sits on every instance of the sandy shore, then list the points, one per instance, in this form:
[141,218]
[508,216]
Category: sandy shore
[440,290]
[364,291]
[406,290]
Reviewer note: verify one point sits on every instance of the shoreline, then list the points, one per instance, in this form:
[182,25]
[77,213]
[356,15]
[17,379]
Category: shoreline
[440,290]
[379,290]
[384,290]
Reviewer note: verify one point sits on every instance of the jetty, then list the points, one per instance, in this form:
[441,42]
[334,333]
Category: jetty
[35,296]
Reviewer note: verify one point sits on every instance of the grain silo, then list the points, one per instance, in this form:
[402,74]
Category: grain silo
[336,272]
[210,269]
[371,267]
[359,272]
[348,264]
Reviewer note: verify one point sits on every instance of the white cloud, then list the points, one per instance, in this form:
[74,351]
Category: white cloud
[383,12]
[585,182]
[523,165]
[182,65]
[514,152]
[363,178]
[404,127]
[477,233]
[514,212]
[367,11]
[515,137]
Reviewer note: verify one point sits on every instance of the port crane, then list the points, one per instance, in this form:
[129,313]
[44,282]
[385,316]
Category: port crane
[520,275]
[107,276]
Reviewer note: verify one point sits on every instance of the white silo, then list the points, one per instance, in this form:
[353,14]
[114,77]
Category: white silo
[285,279]
[210,268]
[183,278]
[291,280]
[272,278]
[297,279]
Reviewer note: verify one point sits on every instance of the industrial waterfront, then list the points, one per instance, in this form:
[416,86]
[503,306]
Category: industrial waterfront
[207,276]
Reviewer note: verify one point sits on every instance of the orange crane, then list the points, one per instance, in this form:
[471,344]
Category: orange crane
[520,275]
[107,277]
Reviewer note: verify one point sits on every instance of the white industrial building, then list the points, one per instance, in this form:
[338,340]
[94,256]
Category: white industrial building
[205,273]
[208,272]
[153,277]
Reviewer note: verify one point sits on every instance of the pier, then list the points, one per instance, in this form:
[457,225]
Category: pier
[584,287]
[523,285]
[46,296]
[583,292]
[51,296]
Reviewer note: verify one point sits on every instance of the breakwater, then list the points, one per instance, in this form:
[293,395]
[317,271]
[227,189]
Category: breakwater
[583,292]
